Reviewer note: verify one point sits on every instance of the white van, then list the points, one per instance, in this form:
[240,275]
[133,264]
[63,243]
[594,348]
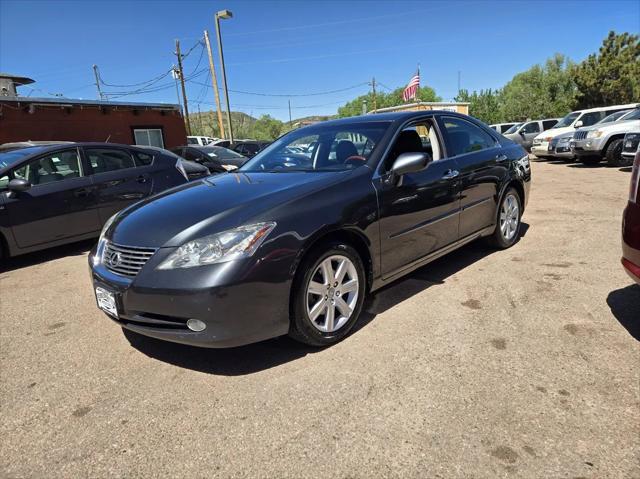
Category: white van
[542,143]
[200,140]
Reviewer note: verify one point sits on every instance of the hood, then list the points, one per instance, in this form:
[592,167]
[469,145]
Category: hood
[616,126]
[211,205]
[553,132]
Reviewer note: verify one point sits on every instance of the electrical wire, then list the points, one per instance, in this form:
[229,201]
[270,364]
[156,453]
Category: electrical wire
[286,95]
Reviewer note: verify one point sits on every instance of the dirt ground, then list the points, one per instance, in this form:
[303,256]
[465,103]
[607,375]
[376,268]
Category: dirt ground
[518,363]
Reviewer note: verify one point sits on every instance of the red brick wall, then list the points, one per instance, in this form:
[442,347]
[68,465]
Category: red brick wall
[86,123]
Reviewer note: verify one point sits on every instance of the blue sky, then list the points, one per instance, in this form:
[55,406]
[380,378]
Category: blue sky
[296,47]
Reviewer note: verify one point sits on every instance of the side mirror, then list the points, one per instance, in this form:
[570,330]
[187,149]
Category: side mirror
[410,163]
[578,124]
[522,132]
[18,185]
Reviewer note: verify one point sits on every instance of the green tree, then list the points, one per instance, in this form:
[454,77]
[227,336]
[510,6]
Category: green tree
[486,105]
[267,128]
[384,100]
[540,92]
[612,76]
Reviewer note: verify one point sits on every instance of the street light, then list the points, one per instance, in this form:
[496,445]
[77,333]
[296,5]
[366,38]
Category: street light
[224,14]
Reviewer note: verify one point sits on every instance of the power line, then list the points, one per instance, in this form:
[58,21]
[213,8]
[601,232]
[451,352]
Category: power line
[285,95]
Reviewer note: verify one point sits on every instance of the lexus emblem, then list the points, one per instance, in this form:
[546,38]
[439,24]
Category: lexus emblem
[112,258]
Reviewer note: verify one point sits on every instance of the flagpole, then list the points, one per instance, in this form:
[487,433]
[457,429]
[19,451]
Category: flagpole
[418,92]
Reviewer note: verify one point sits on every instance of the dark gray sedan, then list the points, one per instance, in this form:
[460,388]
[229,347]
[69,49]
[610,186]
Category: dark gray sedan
[294,240]
[61,193]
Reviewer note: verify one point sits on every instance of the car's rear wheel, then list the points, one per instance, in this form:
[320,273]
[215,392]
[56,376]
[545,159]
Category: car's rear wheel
[614,154]
[507,229]
[328,295]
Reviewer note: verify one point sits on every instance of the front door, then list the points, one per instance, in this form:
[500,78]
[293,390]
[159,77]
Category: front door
[419,212]
[119,181]
[528,132]
[60,204]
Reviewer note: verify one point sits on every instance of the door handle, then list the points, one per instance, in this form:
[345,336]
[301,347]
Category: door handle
[501,158]
[82,192]
[141,179]
[450,174]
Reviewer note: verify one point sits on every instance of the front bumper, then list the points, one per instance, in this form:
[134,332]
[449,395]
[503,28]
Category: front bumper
[541,150]
[240,302]
[587,146]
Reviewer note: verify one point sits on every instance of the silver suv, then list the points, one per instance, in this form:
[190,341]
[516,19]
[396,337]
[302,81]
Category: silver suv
[524,133]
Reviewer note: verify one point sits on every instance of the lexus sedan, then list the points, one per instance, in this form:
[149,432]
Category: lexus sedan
[64,192]
[292,243]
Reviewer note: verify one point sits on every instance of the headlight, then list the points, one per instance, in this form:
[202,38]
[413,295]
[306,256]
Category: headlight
[232,244]
[594,134]
[108,223]
[564,140]
[230,167]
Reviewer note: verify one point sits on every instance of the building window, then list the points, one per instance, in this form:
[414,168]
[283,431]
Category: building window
[149,137]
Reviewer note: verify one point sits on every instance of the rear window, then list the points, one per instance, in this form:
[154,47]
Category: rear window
[547,124]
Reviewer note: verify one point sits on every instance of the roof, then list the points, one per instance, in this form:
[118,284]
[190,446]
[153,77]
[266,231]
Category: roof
[387,116]
[73,101]
[18,80]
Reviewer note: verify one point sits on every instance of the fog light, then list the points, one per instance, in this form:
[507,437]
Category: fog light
[196,325]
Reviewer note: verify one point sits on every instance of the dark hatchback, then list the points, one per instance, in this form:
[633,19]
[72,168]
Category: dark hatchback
[631,225]
[291,243]
[61,193]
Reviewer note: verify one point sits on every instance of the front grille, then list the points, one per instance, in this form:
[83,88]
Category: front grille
[580,135]
[125,260]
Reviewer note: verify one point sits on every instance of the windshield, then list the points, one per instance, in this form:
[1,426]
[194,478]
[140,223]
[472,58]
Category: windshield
[513,129]
[322,147]
[631,115]
[613,117]
[8,158]
[567,120]
[220,152]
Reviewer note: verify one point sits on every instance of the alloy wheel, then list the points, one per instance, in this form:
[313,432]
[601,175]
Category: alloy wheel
[509,217]
[332,293]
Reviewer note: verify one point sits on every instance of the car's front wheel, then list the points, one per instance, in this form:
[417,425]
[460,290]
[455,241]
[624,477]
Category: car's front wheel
[614,154]
[328,295]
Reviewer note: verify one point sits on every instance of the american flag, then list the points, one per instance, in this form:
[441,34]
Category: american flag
[410,91]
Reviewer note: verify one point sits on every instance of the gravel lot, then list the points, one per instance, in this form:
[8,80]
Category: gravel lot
[519,363]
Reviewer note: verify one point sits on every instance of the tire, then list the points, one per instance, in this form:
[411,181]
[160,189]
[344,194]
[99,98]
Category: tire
[320,321]
[507,230]
[590,160]
[614,153]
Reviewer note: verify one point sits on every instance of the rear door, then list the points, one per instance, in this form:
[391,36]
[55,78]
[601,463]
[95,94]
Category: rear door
[119,181]
[482,167]
[60,204]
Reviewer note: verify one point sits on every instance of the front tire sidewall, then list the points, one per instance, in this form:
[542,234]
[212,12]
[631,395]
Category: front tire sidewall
[301,328]
[614,153]
[498,239]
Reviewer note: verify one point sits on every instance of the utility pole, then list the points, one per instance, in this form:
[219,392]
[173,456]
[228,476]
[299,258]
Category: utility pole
[225,14]
[176,74]
[95,73]
[289,112]
[214,80]
[184,91]
[364,107]
[373,87]
[200,121]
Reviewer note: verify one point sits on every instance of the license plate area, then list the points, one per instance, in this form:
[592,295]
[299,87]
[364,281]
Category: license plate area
[107,301]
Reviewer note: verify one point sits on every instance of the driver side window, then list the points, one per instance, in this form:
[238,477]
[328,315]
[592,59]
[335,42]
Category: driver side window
[419,137]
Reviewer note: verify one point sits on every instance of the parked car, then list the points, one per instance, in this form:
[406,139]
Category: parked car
[576,119]
[216,158]
[524,133]
[23,144]
[631,145]
[292,246]
[600,141]
[502,127]
[250,148]
[56,194]
[631,225]
[191,169]
[560,147]
[200,140]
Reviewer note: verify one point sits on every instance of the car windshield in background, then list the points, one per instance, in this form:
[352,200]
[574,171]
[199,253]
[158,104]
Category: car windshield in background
[220,152]
[513,129]
[321,148]
[613,117]
[567,120]
[632,115]
[10,157]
